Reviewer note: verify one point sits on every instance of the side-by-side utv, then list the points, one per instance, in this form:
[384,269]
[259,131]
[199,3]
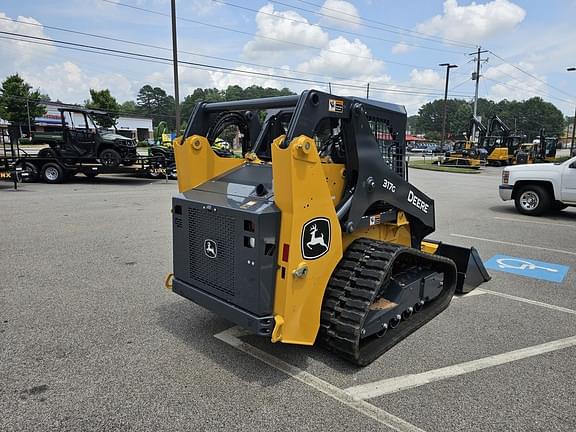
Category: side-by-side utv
[304,228]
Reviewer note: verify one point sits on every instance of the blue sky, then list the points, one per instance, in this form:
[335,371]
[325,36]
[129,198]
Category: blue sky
[395,46]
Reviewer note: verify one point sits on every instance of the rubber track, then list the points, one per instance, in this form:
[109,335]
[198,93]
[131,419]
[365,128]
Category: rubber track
[360,276]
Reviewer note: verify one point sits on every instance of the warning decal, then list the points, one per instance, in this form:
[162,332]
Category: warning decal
[336,105]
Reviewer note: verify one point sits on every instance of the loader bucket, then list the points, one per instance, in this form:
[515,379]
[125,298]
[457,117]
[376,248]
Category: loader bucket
[471,270]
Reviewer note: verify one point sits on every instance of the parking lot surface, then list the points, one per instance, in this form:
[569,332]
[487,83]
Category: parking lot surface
[90,340]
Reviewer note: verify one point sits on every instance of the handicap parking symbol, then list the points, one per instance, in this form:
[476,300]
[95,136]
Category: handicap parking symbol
[528,268]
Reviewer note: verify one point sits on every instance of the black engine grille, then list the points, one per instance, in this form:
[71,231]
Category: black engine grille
[218,273]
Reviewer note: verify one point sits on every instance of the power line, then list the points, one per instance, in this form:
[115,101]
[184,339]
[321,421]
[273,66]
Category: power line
[194,65]
[192,53]
[511,86]
[532,75]
[334,29]
[425,36]
[260,36]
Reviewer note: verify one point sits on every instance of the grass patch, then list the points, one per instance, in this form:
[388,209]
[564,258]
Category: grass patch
[562,159]
[430,165]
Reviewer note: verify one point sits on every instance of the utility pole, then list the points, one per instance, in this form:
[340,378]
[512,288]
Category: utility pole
[448,67]
[368,91]
[572,69]
[175,64]
[476,77]
[29,122]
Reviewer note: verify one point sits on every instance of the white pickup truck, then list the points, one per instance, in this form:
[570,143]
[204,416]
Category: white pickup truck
[538,188]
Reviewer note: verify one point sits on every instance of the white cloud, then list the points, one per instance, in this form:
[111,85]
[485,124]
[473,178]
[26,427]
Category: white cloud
[426,78]
[16,54]
[223,80]
[69,83]
[189,80]
[507,82]
[295,30]
[401,48]
[342,57]
[475,22]
[340,13]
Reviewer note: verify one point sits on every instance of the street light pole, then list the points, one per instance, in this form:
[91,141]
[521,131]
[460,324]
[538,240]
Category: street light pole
[448,67]
[572,69]
[175,64]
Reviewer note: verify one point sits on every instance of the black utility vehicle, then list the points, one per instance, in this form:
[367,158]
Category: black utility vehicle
[81,138]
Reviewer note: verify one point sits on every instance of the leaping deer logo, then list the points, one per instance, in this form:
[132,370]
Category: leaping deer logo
[316,240]
[210,248]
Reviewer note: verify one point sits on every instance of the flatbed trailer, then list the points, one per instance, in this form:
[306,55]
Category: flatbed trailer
[19,166]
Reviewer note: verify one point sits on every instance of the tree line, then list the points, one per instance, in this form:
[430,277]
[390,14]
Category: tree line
[19,103]
[522,117]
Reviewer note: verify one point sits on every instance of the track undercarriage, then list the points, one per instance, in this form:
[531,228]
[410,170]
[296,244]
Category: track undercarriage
[379,294]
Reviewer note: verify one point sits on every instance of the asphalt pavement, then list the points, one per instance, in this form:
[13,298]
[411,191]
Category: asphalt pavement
[91,341]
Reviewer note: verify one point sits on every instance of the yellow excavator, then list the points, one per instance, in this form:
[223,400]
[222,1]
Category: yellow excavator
[470,152]
[307,230]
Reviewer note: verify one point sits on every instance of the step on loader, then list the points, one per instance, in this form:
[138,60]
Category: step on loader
[303,228]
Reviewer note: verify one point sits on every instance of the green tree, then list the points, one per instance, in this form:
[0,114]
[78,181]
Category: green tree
[199,95]
[18,103]
[129,107]
[430,117]
[231,93]
[154,102]
[103,100]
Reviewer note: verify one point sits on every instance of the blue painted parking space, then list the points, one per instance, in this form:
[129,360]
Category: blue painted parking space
[528,268]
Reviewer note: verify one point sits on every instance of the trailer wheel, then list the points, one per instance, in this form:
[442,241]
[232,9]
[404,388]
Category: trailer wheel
[172,173]
[532,200]
[110,158]
[31,173]
[52,173]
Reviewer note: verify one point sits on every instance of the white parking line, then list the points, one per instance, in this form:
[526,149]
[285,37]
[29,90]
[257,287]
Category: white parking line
[476,292]
[514,244]
[532,302]
[393,385]
[531,222]
[231,337]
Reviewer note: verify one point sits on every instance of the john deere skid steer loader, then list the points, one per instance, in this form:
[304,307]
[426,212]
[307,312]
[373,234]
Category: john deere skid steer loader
[305,229]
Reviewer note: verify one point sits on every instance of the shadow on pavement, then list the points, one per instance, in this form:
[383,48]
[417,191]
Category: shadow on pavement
[197,330]
[568,214]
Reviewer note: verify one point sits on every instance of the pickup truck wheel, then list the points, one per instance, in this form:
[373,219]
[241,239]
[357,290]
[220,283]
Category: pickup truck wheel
[110,158]
[532,200]
[52,173]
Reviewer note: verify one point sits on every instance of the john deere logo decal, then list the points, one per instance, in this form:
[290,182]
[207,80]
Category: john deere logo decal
[315,238]
[210,248]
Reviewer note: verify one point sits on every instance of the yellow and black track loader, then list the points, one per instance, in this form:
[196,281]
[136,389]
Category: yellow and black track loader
[305,229]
